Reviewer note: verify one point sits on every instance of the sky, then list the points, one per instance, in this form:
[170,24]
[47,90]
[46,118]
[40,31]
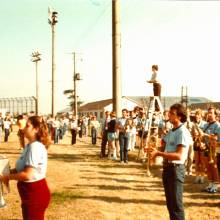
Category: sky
[182,37]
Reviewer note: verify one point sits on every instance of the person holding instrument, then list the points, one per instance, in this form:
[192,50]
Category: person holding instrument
[174,150]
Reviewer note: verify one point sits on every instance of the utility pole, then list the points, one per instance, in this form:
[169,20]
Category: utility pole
[76,77]
[116,57]
[184,96]
[35,59]
[52,20]
[74,84]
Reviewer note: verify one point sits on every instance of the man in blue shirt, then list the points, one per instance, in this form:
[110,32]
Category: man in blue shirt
[175,146]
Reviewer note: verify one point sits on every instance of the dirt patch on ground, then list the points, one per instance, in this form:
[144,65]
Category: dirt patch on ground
[84,186]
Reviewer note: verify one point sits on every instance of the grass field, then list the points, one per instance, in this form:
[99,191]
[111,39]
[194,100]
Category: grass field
[83,186]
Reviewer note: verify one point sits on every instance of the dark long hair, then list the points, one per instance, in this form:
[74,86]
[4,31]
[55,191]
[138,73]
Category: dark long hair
[42,134]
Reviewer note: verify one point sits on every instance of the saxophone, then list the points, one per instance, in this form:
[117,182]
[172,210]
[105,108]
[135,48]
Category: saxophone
[198,139]
[212,144]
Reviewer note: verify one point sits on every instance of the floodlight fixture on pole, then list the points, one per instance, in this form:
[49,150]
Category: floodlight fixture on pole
[52,20]
[35,58]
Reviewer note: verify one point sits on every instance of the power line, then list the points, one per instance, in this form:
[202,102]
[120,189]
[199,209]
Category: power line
[92,27]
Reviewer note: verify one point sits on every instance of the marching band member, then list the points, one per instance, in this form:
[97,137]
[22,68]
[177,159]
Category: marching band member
[111,136]
[198,146]
[218,152]
[211,130]
[133,133]
[175,145]
[73,129]
[95,125]
[105,133]
[123,136]
[30,171]
[164,125]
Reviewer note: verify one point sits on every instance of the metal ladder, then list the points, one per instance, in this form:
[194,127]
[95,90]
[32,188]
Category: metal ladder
[150,114]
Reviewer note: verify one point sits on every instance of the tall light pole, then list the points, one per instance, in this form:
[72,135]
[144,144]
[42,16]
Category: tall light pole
[35,58]
[74,85]
[52,20]
[116,57]
[76,77]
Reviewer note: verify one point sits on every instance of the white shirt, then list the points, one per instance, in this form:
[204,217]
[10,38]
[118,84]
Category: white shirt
[7,124]
[35,156]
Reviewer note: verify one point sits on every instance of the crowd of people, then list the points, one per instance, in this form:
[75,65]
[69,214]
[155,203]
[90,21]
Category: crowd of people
[184,139]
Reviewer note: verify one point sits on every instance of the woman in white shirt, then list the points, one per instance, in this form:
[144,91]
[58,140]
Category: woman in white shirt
[30,171]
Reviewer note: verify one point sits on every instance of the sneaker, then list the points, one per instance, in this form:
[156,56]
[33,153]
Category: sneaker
[207,188]
[126,161]
[121,161]
[213,189]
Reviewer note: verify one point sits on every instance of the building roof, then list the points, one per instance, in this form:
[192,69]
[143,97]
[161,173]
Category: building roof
[205,105]
[167,101]
[142,101]
[95,105]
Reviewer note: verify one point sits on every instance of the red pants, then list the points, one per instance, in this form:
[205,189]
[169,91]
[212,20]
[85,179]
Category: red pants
[35,198]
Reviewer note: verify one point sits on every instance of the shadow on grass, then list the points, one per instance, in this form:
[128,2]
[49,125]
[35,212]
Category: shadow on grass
[2,151]
[119,174]
[204,204]
[66,196]
[117,165]
[64,157]
[124,180]
[71,157]
[100,187]
[206,196]
[118,187]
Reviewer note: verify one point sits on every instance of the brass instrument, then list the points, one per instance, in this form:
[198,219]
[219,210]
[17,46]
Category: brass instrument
[199,137]
[212,144]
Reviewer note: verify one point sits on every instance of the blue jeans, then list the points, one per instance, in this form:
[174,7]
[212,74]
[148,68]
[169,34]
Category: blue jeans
[56,135]
[7,132]
[123,141]
[94,135]
[173,179]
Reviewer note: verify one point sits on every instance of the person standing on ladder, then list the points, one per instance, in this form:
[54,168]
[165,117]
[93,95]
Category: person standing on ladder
[156,84]
[155,81]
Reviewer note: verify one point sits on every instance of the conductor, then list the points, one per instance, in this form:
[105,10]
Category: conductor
[156,84]
[154,80]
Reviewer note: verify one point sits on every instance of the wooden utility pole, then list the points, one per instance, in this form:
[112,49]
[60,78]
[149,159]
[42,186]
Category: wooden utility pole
[52,20]
[184,96]
[76,77]
[116,57]
[74,84]
[35,59]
